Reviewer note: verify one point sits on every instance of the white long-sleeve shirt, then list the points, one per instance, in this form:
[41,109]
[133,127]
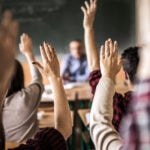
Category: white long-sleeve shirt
[103,134]
[20,110]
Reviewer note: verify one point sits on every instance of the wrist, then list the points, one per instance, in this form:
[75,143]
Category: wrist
[113,78]
[88,28]
[30,57]
[54,79]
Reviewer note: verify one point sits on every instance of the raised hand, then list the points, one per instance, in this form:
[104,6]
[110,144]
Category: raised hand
[8,40]
[109,63]
[26,46]
[89,13]
[50,67]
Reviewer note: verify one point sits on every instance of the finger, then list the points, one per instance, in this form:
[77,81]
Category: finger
[84,10]
[38,66]
[102,53]
[6,19]
[21,36]
[93,4]
[119,64]
[26,35]
[110,46]
[120,61]
[43,54]
[107,51]
[115,49]
[52,51]
[87,6]
[20,46]
[48,51]
[55,55]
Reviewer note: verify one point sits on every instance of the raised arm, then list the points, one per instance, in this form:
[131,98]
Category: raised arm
[51,70]
[103,134]
[26,48]
[8,39]
[89,37]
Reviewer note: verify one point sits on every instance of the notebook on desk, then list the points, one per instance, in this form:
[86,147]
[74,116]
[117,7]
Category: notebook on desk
[73,85]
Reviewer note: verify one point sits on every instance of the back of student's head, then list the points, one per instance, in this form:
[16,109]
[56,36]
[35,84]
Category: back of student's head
[130,58]
[17,82]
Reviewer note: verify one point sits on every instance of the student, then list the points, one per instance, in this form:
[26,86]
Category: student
[136,123]
[22,102]
[48,138]
[52,138]
[8,40]
[103,134]
[74,67]
[130,62]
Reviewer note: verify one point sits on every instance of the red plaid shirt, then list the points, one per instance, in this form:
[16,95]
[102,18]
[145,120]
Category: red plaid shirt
[136,125]
[120,102]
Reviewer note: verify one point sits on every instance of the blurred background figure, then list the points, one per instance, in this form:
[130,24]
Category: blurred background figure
[74,67]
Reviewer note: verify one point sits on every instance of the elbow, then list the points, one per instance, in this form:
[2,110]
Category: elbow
[66,130]
[68,133]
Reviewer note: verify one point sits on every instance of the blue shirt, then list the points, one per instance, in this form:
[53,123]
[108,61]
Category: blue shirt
[75,70]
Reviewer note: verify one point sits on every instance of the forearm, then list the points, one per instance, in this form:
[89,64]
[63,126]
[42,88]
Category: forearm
[102,131]
[91,49]
[30,58]
[35,74]
[62,113]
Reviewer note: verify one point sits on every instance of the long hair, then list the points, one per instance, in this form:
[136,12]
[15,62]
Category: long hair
[17,82]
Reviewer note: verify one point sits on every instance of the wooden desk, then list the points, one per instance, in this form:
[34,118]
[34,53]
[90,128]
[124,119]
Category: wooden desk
[47,119]
[82,113]
[83,91]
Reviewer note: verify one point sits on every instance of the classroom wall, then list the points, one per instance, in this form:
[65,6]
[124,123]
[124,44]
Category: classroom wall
[59,22]
[115,19]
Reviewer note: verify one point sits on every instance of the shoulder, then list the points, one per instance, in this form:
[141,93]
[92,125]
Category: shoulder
[48,136]
[68,57]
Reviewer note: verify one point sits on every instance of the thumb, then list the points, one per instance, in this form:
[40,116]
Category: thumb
[20,46]
[119,64]
[38,66]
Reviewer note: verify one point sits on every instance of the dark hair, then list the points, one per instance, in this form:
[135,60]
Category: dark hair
[17,82]
[130,58]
